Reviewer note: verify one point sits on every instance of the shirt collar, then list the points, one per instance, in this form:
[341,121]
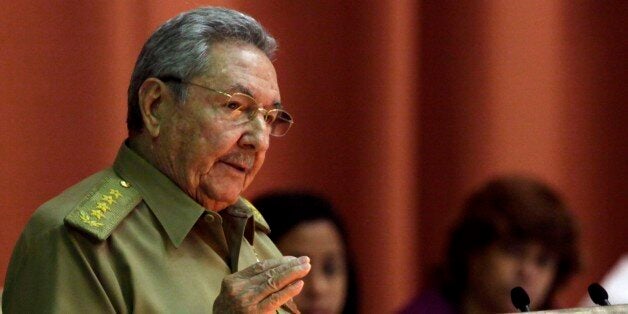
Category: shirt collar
[244,208]
[174,209]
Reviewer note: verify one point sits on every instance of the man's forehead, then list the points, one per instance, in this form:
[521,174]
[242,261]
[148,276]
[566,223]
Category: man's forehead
[242,68]
[230,56]
[245,84]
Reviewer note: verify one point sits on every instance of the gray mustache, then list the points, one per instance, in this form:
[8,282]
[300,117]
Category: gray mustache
[244,160]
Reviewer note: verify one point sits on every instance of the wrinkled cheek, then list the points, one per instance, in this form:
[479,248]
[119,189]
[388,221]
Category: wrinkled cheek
[251,175]
[203,173]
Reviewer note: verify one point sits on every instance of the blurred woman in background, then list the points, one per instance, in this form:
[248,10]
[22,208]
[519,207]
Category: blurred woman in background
[514,231]
[306,224]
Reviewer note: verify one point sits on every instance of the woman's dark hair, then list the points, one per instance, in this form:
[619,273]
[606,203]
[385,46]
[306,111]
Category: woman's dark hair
[285,210]
[512,210]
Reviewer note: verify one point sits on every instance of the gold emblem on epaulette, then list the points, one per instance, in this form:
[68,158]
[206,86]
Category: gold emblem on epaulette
[104,207]
[96,215]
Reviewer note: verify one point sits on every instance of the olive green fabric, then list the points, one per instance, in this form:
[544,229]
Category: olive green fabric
[166,254]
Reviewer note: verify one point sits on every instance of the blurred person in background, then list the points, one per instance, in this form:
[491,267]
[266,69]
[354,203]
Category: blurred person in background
[513,231]
[306,224]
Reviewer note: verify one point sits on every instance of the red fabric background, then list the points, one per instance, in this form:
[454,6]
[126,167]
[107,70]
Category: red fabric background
[401,108]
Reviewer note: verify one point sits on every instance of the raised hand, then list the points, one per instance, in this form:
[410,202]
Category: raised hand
[263,287]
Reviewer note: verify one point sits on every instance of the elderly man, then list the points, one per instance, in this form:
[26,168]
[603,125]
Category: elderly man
[165,229]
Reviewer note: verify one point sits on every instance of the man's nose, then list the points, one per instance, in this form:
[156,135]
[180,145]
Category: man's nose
[256,135]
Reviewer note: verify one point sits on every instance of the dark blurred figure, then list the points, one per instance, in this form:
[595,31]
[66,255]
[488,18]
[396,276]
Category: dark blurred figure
[514,231]
[305,224]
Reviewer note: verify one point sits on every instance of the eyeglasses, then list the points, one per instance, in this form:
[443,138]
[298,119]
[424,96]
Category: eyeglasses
[241,108]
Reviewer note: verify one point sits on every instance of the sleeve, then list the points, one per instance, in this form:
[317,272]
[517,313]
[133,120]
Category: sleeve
[51,273]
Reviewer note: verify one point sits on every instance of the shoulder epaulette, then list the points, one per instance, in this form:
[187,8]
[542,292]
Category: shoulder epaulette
[257,216]
[104,207]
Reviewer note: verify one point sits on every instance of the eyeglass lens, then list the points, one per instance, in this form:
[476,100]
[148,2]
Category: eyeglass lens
[245,108]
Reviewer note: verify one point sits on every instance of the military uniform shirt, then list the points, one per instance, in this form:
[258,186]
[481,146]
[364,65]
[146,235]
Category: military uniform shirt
[128,240]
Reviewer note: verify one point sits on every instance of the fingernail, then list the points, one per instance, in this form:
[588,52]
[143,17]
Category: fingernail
[304,259]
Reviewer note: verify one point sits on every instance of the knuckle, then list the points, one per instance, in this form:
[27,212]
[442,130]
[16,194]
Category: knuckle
[228,286]
[272,272]
[271,283]
[259,267]
[227,282]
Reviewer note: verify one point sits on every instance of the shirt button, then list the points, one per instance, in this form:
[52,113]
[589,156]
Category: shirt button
[209,218]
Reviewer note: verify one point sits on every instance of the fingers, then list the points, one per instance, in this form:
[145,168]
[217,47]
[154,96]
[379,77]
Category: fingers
[264,285]
[264,265]
[277,278]
[277,299]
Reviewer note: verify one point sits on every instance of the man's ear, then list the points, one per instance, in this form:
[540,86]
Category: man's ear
[152,94]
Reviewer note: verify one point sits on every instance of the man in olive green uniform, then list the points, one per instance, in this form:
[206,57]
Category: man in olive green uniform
[165,229]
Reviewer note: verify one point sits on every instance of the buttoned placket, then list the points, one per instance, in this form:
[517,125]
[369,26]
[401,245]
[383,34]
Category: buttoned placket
[238,224]
[209,227]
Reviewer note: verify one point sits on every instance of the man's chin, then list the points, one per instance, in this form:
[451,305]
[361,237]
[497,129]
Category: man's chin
[220,201]
[217,206]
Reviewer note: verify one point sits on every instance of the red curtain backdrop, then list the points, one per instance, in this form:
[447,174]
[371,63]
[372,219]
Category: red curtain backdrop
[401,108]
